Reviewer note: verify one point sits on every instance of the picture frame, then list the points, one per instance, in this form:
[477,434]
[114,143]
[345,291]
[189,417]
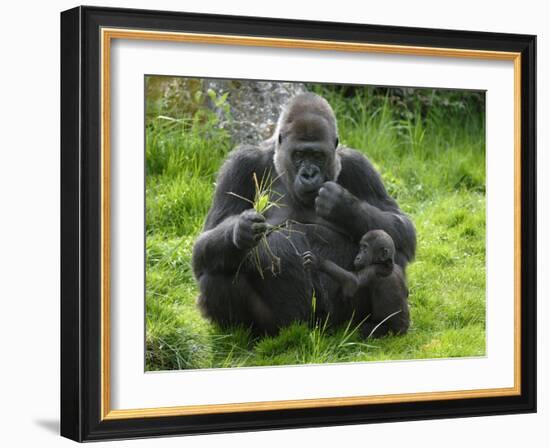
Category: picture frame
[86,37]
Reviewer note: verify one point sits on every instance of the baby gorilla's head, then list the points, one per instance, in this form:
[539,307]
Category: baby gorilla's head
[376,247]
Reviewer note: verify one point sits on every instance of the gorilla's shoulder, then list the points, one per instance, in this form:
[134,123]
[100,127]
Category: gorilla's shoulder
[360,176]
[355,163]
[239,166]
[249,157]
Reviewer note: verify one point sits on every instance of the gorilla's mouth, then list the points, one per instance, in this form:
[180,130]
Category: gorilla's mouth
[307,195]
[305,189]
[386,262]
[385,267]
[307,192]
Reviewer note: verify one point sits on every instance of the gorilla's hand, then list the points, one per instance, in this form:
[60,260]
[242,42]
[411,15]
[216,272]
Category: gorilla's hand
[334,203]
[249,228]
[310,261]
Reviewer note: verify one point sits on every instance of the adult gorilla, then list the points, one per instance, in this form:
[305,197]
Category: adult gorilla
[328,197]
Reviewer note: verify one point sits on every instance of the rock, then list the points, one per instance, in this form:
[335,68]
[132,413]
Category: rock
[254,106]
[249,112]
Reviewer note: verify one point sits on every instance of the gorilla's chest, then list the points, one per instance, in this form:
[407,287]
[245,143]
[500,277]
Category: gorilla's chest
[330,243]
[291,238]
[299,229]
[288,212]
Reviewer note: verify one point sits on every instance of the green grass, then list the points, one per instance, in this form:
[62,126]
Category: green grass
[432,160]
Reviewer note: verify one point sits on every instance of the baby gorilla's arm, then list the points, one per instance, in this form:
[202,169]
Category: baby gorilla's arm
[349,281]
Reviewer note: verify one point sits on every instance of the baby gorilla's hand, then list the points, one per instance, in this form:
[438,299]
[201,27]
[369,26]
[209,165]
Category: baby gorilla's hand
[310,260]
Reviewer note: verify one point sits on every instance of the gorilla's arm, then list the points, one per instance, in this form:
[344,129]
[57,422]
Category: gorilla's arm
[363,204]
[231,227]
[215,249]
[349,281]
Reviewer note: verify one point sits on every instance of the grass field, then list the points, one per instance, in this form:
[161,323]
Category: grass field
[431,154]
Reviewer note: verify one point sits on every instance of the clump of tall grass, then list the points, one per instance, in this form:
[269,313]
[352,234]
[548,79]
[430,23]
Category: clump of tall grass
[315,342]
[264,195]
[265,198]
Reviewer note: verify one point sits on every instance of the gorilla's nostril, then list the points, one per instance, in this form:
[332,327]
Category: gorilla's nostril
[309,175]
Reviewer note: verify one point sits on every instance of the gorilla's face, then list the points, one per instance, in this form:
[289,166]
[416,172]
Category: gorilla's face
[308,153]
[364,256]
[376,247]
[309,163]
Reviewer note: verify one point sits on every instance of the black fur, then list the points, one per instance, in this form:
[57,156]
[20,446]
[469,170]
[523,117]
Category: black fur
[376,288]
[328,214]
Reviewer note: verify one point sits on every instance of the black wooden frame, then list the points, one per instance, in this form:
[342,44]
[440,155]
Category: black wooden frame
[81,224]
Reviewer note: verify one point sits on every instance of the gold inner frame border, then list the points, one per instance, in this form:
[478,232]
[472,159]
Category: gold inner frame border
[107,35]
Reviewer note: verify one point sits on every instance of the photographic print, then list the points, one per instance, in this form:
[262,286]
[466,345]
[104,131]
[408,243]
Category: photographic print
[304,223]
[279,224]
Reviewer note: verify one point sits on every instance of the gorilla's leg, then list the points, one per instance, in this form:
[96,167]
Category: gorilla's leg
[395,324]
[372,330]
[389,311]
[231,300]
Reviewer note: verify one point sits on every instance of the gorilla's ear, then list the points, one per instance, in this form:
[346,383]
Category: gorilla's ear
[336,142]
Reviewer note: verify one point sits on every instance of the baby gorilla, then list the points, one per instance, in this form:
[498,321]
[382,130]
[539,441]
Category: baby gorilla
[377,287]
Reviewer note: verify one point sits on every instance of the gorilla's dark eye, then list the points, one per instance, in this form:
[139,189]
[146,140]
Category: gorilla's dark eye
[298,155]
[320,158]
